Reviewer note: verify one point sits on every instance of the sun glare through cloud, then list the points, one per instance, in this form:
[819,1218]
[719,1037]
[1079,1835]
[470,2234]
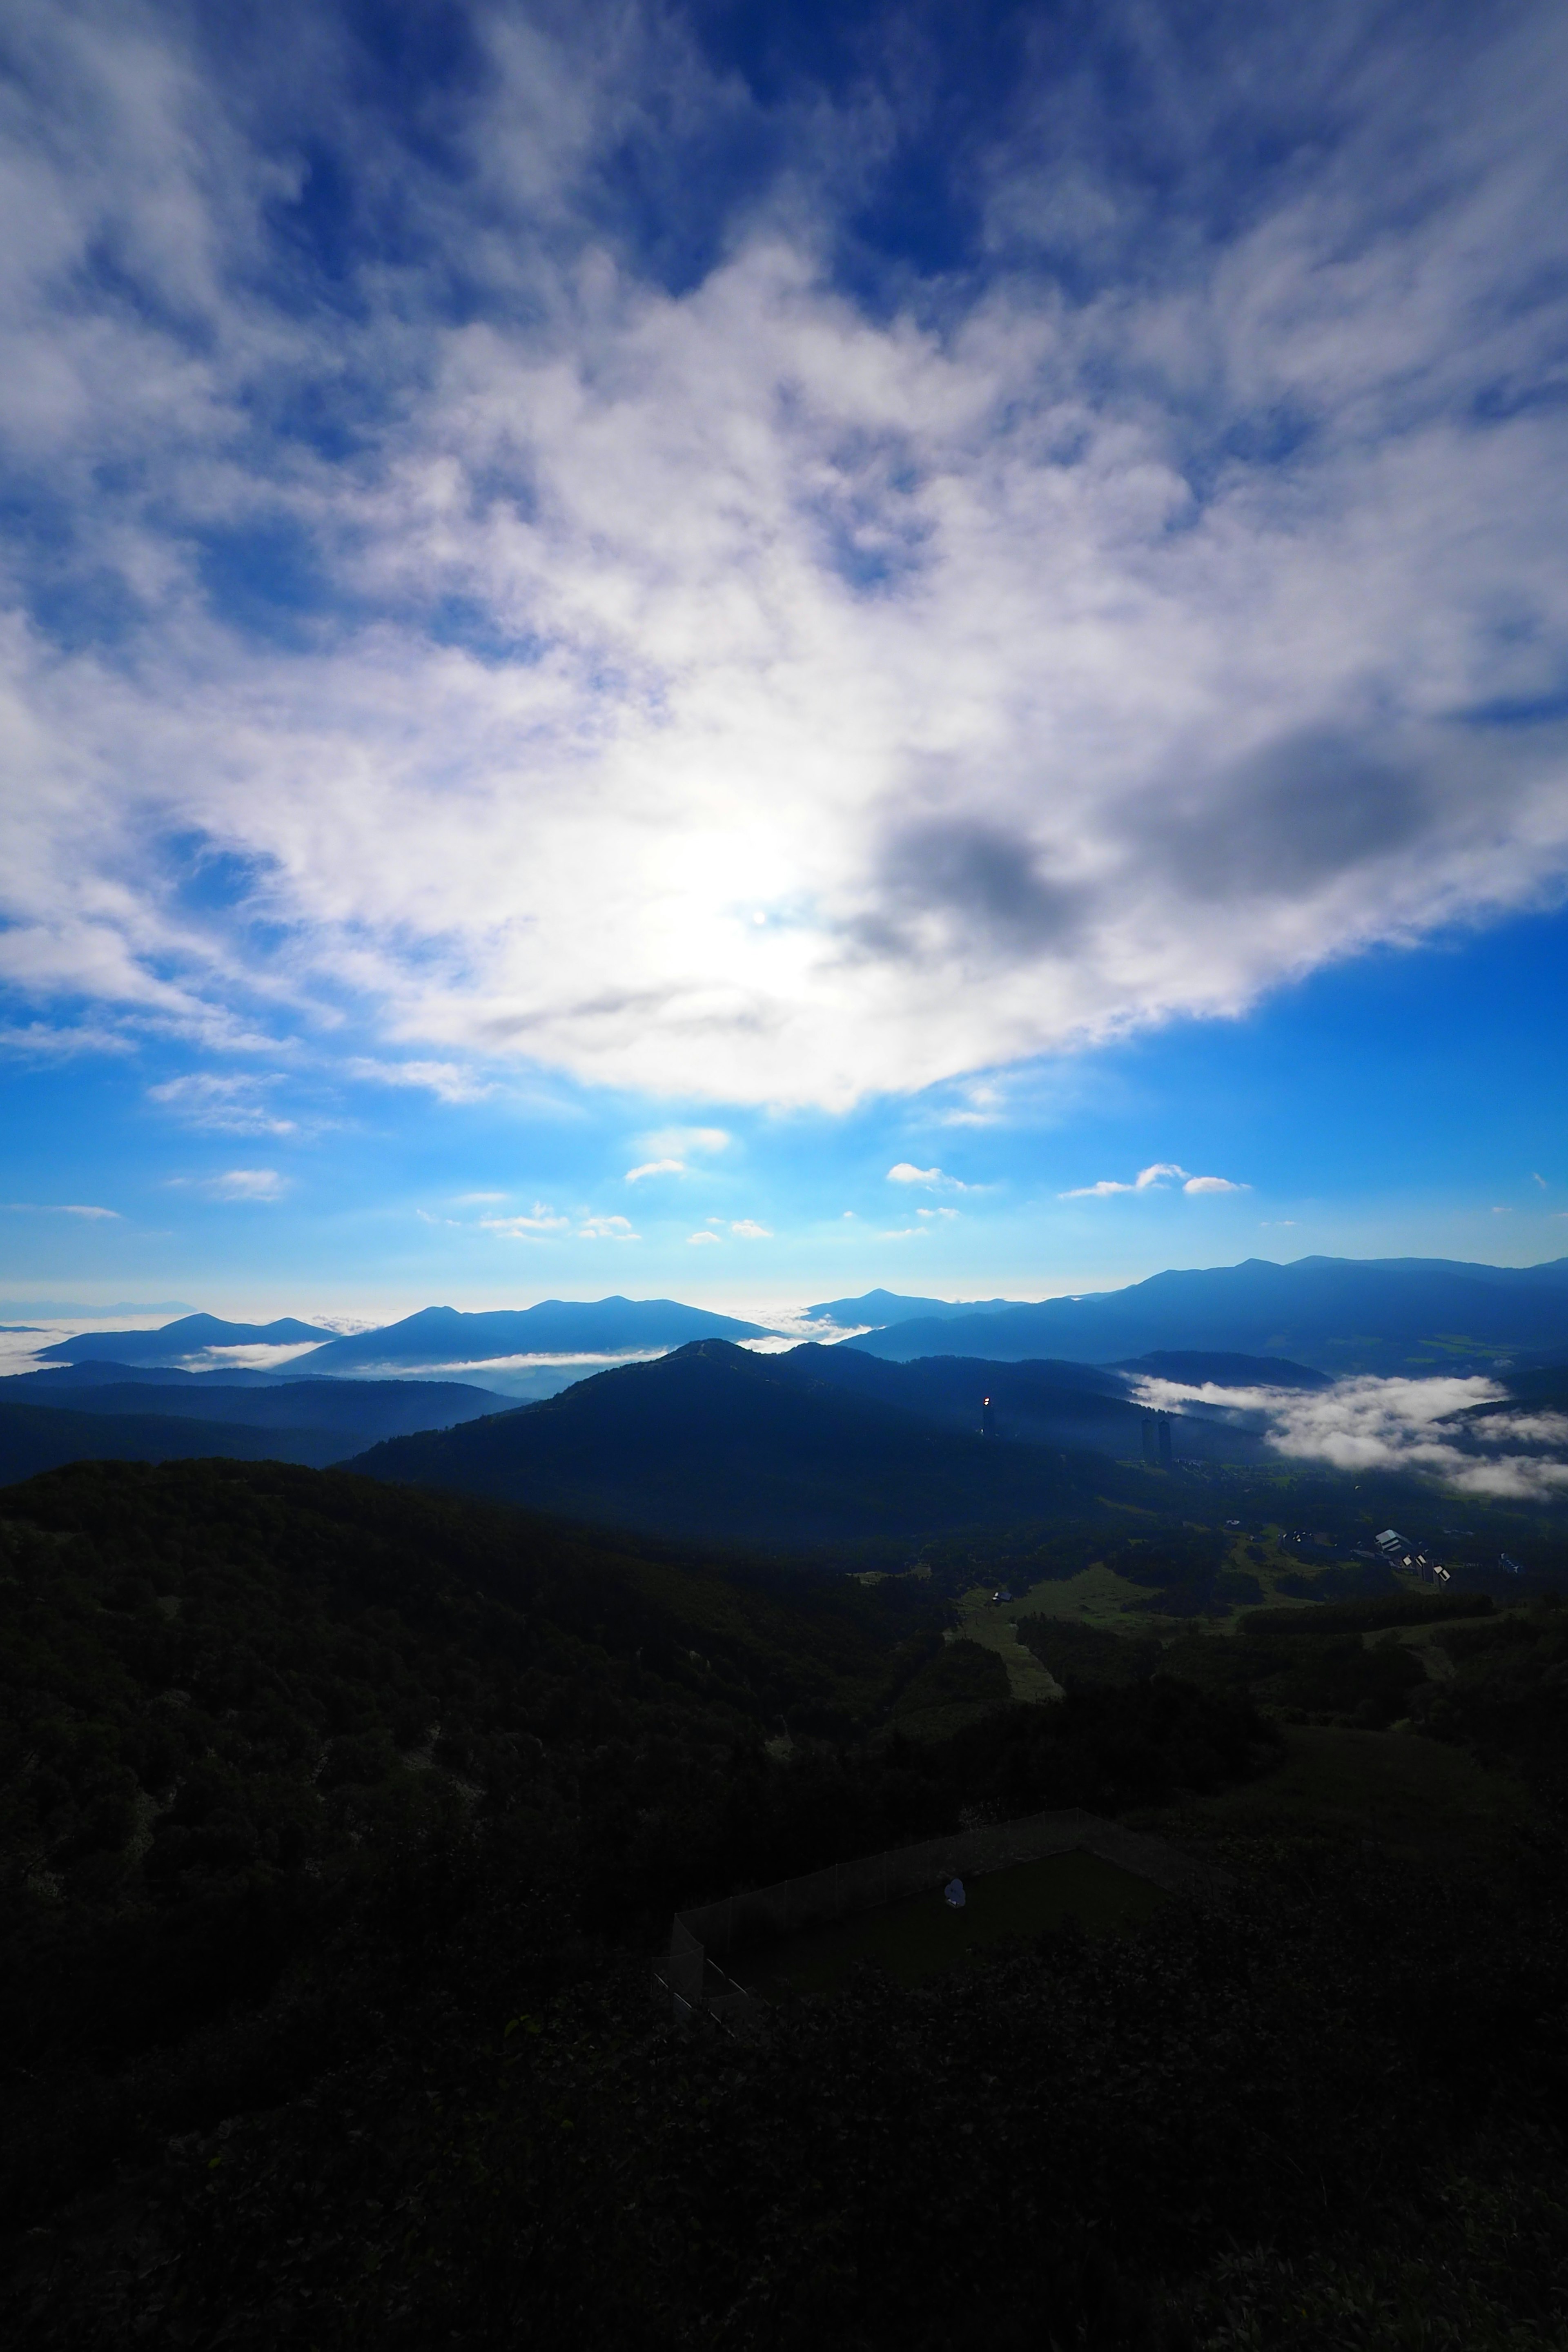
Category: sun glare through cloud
[706,680]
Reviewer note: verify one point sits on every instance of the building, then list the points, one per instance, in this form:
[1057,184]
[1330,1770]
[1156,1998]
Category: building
[1157,1440]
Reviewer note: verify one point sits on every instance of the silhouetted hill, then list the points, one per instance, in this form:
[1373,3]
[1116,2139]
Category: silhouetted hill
[714,1441]
[1333,1315]
[173,1341]
[37,1437]
[359,1412]
[439,1336]
[1224,1370]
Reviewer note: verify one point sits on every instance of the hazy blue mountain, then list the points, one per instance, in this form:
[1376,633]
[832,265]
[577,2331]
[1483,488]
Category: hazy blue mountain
[1224,1370]
[35,1437]
[189,1337]
[714,1441]
[1332,1314]
[444,1335]
[358,1412]
[882,1307]
[89,1372]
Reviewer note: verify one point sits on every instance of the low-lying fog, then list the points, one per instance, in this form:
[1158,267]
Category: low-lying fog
[1462,1430]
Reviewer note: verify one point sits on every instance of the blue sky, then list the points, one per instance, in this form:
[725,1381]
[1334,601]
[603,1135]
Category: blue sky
[615,623]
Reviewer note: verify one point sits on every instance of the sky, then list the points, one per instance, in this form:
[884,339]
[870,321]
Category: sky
[742,651]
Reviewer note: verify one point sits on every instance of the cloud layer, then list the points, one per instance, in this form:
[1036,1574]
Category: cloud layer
[695,641]
[1370,1424]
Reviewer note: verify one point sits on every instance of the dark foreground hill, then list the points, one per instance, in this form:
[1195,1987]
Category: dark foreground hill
[339,1823]
[1061,1405]
[362,1411]
[1333,1315]
[35,1437]
[717,1442]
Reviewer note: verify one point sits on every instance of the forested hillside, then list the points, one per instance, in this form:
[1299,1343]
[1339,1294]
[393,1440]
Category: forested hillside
[342,1820]
[715,1443]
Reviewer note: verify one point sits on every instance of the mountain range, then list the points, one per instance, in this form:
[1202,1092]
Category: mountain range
[439,1336]
[175,1343]
[876,1309]
[1337,1315]
[1332,1316]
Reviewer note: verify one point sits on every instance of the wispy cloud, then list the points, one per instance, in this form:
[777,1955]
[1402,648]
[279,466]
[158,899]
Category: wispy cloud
[44,1041]
[59,1209]
[1057,666]
[229,1104]
[247,1184]
[656,1168]
[541,1222]
[449,1082]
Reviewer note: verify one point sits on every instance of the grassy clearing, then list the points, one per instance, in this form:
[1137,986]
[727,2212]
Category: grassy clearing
[991,1627]
[923,1937]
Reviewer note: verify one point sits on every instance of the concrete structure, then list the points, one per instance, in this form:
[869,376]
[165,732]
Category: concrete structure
[705,1940]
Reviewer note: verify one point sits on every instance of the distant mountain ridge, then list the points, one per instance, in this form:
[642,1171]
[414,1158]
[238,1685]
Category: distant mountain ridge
[881,1308]
[193,1335]
[1337,1315]
[445,1335]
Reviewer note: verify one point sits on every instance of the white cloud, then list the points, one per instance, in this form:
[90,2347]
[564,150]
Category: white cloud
[47,1041]
[606,1229]
[702,1237]
[449,1082]
[750,1232]
[1370,1424]
[656,1168]
[684,1143]
[1037,668]
[247,1185]
[906,1172]
[1155,1178]
[224,1104]
[59,1209]
[478,1200]
[906,1233]
[542,1220]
